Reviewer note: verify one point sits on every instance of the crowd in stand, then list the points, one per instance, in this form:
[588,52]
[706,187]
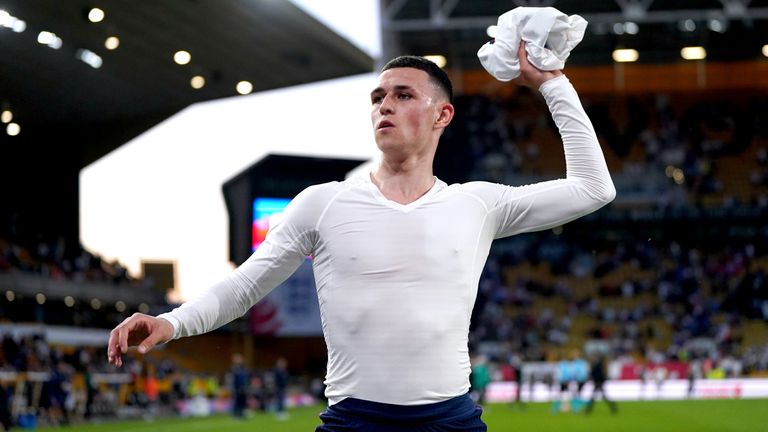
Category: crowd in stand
[57,260]
[664,150]
[681,291]
[41,384]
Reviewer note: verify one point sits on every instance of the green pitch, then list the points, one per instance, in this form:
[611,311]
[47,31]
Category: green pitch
[671,416]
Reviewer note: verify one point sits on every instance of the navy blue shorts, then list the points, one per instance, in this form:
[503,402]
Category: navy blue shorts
[351,415]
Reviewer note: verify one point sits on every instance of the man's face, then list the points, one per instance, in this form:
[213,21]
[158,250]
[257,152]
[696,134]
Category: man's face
[405,106]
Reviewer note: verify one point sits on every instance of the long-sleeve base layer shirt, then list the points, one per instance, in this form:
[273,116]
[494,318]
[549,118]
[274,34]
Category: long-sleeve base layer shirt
[396,283]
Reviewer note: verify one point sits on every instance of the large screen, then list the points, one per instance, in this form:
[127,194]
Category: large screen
[266,211]
[291,309]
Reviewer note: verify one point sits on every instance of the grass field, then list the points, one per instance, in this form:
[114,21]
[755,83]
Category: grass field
[672,416]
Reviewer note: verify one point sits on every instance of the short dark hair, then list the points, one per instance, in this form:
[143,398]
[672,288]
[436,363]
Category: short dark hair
[436,74]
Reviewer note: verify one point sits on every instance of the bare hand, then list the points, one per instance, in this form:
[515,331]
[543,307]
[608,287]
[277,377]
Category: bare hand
[529,75]
[139,329]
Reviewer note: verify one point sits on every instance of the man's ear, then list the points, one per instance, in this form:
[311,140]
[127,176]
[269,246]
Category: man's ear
[445,117]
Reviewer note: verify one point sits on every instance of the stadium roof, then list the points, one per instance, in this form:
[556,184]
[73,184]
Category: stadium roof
[728,29]
[272,44]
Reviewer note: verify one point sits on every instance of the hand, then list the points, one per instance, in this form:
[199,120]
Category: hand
[139,329]
[529,75]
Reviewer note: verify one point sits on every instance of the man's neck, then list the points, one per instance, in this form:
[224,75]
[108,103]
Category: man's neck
[403,181]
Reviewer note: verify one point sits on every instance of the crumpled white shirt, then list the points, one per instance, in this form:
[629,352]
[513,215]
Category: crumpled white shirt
[549,37]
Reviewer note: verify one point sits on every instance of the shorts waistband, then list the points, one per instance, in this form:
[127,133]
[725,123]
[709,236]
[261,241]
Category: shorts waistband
[458,406]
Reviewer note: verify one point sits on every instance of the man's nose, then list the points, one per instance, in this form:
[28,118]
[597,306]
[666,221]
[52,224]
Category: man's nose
[386,106]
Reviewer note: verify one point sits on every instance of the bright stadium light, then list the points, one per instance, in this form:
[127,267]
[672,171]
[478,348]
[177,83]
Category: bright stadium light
[112,43]
[9,21]
[678,176]
[95,15]
[182,57]
[197,82]
[50,39]
[625,55]
[717,25]
[492,30]
[90,58]
[13,129]
[40,298]
[631,28]
[6,116]
[69,301]
[765,50]
[244,87]
[19,26]
[687,25]
[693,53]
[437,59]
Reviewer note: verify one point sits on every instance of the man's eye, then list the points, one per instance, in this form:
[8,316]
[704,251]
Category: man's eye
[376,99]
[403,96]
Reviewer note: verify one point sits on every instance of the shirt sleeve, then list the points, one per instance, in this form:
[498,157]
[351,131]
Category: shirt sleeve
[287,245]
[587,186]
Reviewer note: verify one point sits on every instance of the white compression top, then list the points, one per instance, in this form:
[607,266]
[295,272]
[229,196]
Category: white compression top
[396,283]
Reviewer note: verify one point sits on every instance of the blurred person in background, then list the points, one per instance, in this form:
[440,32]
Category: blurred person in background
[151,392]
[563,377]
[280,373]
[599,376]
[5,409]
[57,392]
[580,368]
[517,368]
[397,256]
[479,378]
[241,380]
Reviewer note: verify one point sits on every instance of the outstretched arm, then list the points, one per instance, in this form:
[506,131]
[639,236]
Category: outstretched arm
[287,245]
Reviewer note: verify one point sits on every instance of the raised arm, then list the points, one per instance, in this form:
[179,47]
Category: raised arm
[587,186]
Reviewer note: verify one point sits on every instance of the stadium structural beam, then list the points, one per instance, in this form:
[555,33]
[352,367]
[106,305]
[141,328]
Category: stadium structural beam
[632,11]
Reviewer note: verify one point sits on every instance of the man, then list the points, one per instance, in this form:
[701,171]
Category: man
[397,257]
[241,379]
[280,375]
[599,377]
[580,368]
[563,376]
[479,378]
